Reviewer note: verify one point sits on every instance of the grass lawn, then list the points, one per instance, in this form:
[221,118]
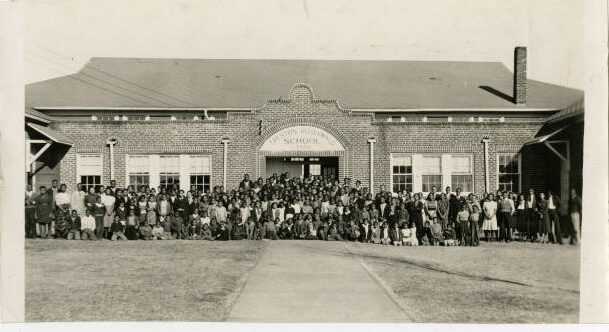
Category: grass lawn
[494,283]
[135,280]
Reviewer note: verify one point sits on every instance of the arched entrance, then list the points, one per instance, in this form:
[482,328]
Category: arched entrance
[301,150]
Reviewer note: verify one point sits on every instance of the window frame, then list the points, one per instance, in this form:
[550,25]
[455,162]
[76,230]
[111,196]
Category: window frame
[470,173]
[518,159]
[440,174]
[139,173]
[101,167]
[392,174]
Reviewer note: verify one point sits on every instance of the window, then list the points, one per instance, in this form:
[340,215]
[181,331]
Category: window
[508,172]
[138,170]
[431,170]
[169,167]
[429,181]
[89,181]
[200,170]
[461,176]
[201,182]
[315,169]
[89,167]
[401,173]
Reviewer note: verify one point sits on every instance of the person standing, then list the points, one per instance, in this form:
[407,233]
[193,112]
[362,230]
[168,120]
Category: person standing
[554,217]
[489,225]
[99,211]
[108,200]
[544,219]
[532,216]
[30,213]
[575,210]
[506,211]
[44,211]
[77,199]
[443,209]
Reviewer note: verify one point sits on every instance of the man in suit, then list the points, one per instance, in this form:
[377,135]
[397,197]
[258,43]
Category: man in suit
[554,215]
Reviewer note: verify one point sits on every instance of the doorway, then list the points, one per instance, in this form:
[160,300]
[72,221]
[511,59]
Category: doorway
[303,166]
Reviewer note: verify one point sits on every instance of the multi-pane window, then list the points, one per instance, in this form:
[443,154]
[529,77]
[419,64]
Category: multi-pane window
[401,172]
[200,172]
[169,175]
[89,181]
[508,172]
[431,170]
[138,170]
[89,167]
[461,176]
[314,169]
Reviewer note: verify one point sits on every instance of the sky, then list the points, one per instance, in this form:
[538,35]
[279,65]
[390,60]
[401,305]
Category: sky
[61,36]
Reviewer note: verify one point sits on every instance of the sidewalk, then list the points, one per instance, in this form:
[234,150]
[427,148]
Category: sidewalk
[295,282]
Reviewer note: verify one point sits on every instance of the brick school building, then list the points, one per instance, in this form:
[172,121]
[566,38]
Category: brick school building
[406,125]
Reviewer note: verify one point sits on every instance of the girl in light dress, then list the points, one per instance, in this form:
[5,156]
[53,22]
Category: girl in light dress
[489,226]
[151,211]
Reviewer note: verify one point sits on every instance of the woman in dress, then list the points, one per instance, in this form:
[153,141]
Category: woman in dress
[44,211]
[431,214]
[489,226]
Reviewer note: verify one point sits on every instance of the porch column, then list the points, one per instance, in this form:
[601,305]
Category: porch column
[485,141]
[111,143]
[371,141]
[225,142]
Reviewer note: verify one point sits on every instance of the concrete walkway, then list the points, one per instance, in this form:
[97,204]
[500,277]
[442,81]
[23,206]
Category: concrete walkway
[301,281]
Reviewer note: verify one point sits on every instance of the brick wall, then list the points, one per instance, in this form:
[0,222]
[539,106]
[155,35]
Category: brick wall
[352,130]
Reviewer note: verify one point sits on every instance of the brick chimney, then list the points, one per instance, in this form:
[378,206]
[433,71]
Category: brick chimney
[520,75]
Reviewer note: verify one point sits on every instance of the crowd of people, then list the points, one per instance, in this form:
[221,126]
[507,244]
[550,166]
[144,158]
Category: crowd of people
[313,208]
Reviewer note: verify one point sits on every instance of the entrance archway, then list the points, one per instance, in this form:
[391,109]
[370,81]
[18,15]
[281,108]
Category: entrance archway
[301,150]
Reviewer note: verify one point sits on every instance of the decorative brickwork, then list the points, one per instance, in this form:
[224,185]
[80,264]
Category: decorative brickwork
[301,108]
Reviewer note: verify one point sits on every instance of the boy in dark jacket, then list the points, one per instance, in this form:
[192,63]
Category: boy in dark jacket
[74,232]
[118,229]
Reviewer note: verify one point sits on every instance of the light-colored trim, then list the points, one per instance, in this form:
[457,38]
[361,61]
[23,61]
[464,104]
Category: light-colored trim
[103,108]
[391,155]
[49,136]
[371,141]
[490,109]
[101,175]
[471,171]
[498,154]
[546,137]
[242,109]
[37,118]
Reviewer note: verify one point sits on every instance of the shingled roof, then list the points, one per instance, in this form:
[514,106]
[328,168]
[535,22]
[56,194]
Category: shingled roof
[132,82]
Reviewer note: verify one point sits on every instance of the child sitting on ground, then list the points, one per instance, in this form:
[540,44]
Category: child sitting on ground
[450,237]
[131,228]
[88,226]
[206,233]
[376,233]
[385,239]
[117,228]
[75,225]
[409,236]
[145,231]
[158,233]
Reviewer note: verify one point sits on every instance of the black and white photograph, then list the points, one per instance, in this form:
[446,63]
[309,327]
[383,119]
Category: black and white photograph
[304,161]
